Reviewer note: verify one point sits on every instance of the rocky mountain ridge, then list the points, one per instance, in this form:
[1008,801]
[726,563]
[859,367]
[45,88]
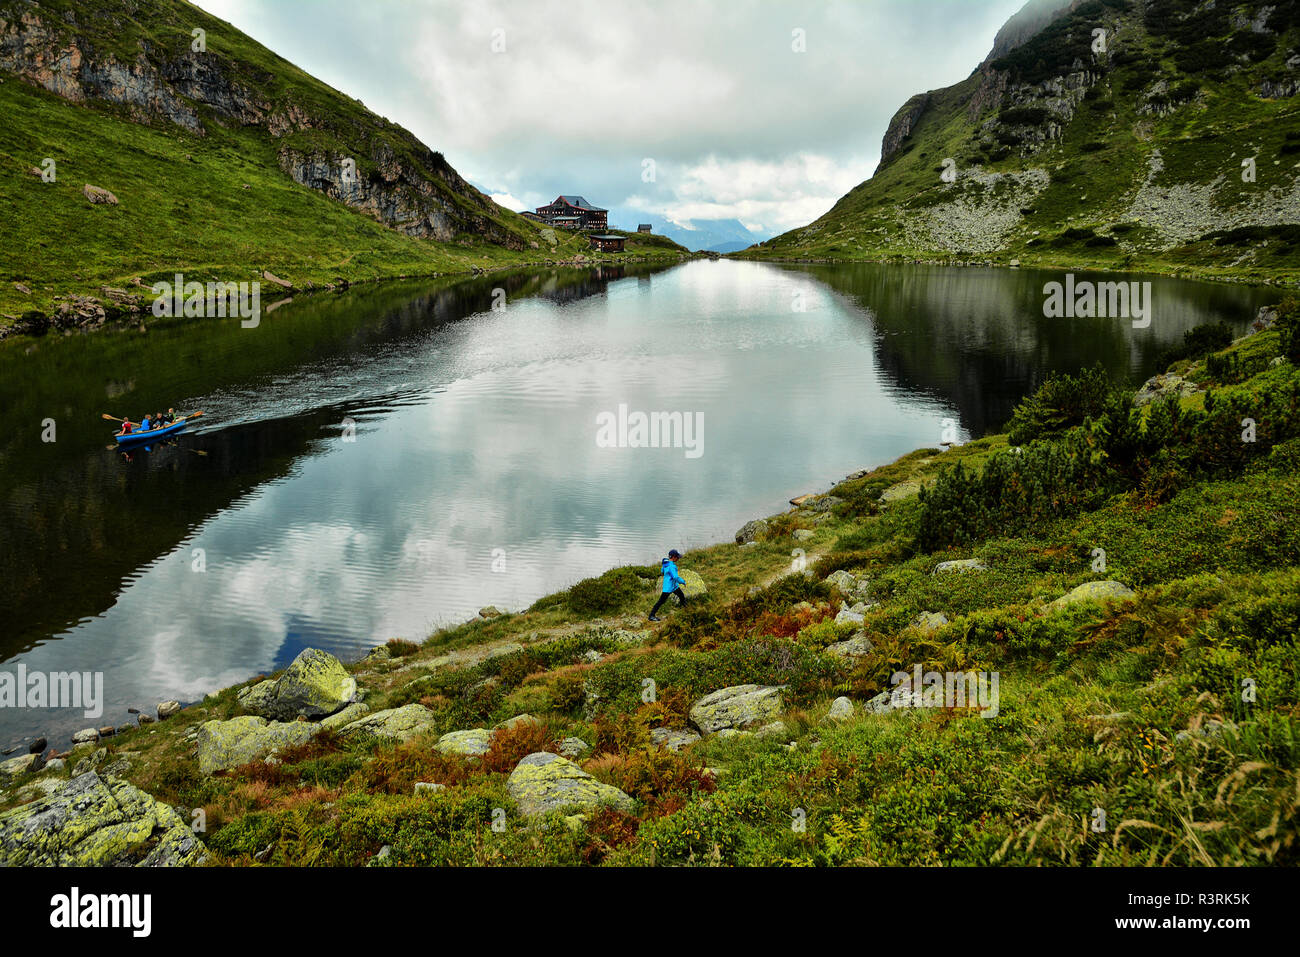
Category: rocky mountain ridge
[1108,131]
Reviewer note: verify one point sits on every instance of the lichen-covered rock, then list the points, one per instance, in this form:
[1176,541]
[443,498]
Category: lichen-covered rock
[518,720]
[228,744]
[377,655]
[341,719]
[852,615]
[628,637]
[841,709]
[20,765]
[573,747]
[1164,386]
[857,646]
[672,738]
[693,586]
[90,762]
[961,565]
[842,581]
[824,503]
[98,196]
[401,723]
[899,698]
[257,698]
[751,531]
[545,782]
[167,709]
[89,822]
[803,534]
[86,736]
[930,621]
[736,707]
[901,491]
[314,685]
[472,743]
[1095,591]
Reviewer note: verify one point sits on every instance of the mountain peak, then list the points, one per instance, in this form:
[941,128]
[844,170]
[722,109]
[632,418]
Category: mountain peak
[1025,23]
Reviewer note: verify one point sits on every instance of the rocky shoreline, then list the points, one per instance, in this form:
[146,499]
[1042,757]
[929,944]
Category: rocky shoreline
[121,308]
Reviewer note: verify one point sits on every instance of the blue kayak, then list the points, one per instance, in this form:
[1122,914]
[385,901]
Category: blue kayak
[152,433]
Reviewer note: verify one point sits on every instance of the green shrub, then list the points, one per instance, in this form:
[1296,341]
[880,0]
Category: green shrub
[568,692]
[1015,490]
[1060,403]
[608,593]
[1288,325]
[1199,342]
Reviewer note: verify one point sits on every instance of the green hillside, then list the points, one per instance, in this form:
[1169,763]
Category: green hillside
[1131,156]
[226,164]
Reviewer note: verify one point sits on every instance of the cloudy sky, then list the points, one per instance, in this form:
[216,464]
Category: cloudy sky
[685,110]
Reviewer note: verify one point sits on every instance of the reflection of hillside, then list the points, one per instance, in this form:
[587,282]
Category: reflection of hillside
[976,339]
[79,519]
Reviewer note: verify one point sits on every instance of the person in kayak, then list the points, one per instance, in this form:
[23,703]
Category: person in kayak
[127,427]
[170,417]
[673,583]
[144,423]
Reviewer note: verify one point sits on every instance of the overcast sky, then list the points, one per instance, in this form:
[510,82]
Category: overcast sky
[531,98]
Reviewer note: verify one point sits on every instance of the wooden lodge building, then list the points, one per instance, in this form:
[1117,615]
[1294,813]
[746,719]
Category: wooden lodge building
[607,243]
[571,212]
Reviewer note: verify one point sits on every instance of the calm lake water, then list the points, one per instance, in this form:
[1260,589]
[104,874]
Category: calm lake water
[473,474]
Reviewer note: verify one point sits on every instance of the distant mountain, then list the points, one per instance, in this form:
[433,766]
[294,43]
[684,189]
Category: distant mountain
[715,235]
[1104,132]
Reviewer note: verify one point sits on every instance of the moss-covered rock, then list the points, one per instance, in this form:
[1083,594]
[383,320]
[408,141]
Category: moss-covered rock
[736,707]
[545,782]
[228,744]
[315,685]
[89,822]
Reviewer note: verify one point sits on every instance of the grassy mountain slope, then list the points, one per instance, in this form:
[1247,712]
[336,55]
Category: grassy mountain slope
[225,162]
[1128,156]
[1124,733]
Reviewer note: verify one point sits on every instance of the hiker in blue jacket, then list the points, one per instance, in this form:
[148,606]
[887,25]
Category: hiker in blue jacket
[673,583]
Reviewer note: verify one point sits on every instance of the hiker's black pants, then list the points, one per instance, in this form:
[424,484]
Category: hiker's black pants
[681,596]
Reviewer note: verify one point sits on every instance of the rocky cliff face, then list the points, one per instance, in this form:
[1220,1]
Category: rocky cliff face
[900,127]
[361,160]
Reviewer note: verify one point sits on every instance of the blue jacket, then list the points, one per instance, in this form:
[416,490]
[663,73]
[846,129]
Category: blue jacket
[672,580]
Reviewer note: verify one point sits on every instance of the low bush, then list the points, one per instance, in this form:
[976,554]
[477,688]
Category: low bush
[609,593]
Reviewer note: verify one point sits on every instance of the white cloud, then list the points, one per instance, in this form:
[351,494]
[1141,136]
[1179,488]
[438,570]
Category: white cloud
[509,202]
[739,125]
[771,195]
